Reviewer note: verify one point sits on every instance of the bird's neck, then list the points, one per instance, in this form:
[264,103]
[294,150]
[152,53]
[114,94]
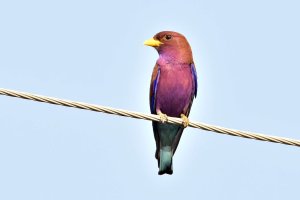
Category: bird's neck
[175,57]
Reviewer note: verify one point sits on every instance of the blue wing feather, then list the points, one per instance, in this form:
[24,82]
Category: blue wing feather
[194,73]
[154,90]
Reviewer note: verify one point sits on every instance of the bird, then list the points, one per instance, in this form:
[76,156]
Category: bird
[173,88]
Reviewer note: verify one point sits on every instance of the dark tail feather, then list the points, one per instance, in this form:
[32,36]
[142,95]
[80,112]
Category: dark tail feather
[165,161]
[177,139]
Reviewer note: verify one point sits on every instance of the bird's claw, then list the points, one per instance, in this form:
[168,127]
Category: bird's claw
[185,120]
[163,117]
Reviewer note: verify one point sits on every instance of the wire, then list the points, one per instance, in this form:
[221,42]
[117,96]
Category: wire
[150,117]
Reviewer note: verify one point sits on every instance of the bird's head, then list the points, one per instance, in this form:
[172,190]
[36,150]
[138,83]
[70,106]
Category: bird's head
[172,46]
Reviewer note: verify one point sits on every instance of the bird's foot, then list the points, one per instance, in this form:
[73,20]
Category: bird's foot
[163,117]
[185,120]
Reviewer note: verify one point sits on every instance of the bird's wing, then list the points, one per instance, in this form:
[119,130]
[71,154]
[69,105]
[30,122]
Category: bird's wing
[195,87]
[153,90]
[153,87]
[194,73]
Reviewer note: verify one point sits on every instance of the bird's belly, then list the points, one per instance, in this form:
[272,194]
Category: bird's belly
[174,92]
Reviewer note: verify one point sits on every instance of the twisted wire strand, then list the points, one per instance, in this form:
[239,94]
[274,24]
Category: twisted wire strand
[150,117]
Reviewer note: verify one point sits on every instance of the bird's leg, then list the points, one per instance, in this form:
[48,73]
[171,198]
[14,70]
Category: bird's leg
[185,120]
[163,117]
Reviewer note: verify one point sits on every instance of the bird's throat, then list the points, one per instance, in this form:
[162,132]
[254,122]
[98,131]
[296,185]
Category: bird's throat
[175,57]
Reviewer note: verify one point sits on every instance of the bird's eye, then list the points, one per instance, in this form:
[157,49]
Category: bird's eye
[168,37]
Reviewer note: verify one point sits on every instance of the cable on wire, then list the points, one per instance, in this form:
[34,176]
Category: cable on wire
[150,117]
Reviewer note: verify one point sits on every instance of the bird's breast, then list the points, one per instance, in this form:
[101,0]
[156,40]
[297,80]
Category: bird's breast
[175,90]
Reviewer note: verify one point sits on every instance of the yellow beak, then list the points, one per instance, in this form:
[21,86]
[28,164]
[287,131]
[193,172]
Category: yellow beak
[153,42]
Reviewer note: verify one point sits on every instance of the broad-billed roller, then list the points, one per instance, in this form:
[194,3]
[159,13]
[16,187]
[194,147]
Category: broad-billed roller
[172,90]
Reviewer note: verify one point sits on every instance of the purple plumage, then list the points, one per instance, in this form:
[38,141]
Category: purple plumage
[172,90]
[175,90]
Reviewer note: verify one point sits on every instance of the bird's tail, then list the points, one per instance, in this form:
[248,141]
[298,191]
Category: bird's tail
[165,162]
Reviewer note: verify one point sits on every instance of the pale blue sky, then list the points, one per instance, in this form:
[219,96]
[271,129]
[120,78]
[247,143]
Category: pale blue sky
[247,58]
